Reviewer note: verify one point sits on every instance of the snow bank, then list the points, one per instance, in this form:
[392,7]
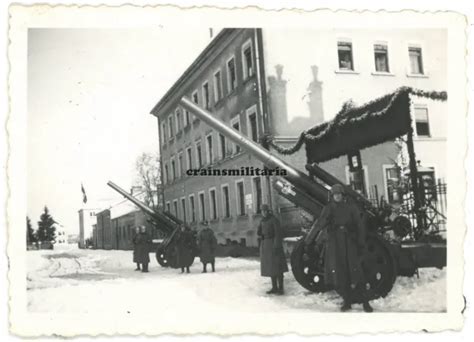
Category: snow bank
[105,281]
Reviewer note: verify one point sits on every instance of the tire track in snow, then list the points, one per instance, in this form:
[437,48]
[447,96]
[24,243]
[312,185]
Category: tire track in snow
[78,264]
[51,275]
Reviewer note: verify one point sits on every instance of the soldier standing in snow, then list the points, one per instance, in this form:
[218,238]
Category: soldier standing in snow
[135,247]
[345,242]
[185,248]
[207,247]
[272,257]
[143,245]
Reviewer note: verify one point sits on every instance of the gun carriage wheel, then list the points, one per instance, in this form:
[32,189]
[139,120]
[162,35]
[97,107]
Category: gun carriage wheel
[167,257]
[380,268]
[378,264]
[307,265]
[161,256]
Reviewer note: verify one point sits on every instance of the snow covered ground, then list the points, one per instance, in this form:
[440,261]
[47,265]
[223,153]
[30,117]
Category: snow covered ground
[71,280]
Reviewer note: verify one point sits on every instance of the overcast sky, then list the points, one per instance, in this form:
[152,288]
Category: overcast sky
[89,96]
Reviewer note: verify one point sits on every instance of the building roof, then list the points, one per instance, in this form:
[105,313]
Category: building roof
[122,209]
[125,207]
[203,57]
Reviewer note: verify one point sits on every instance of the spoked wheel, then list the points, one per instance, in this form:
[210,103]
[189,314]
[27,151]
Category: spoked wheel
[307,265]
[379,267]
[168,257]
[161,256]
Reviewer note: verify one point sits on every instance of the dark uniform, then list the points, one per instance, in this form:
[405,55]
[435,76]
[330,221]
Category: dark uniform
[185,249]
[135,248]
[345,243]
[142,255]
[207,244]
[272,257]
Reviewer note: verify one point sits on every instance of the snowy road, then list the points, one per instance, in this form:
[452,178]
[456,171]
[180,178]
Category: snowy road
[73,280]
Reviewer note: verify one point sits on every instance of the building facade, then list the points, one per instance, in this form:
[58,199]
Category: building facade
[103,230]
[281,82]
[87,219]
[308,85]
[61,237]
[223,79]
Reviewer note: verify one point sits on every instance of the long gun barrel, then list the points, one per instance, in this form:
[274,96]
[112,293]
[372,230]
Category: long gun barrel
[166,222]
[330,180]
[317,192]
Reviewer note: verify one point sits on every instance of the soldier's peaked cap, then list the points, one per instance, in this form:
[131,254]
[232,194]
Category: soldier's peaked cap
[337,189]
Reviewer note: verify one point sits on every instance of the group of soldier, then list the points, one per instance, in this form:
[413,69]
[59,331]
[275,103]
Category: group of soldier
[188,242]
[340,228]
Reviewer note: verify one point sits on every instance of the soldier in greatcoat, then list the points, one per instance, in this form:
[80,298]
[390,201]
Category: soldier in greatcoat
[135,247]
[185,248]
[344,231]
[207,244]
[272,256]
[143,245]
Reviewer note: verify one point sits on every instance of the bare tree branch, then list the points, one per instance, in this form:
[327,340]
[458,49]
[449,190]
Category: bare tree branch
[147,168]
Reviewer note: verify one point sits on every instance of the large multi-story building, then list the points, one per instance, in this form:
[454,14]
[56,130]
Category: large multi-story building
[281,82]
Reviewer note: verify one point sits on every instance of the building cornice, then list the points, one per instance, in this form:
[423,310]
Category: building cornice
[204,58]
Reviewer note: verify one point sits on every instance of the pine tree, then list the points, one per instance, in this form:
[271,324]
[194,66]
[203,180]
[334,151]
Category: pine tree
[46,228]
[30,233]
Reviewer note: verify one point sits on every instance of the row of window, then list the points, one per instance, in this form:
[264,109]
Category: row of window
[179,119]
[194,155]
[381,58]
[176,167]
[196,208]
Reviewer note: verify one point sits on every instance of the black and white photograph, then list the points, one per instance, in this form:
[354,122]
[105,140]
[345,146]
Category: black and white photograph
[236,168]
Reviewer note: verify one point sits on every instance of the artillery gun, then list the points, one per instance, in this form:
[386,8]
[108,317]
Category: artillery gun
[383,259]
[169,225]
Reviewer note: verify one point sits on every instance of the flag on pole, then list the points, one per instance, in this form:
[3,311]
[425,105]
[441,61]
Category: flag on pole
[84,196]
